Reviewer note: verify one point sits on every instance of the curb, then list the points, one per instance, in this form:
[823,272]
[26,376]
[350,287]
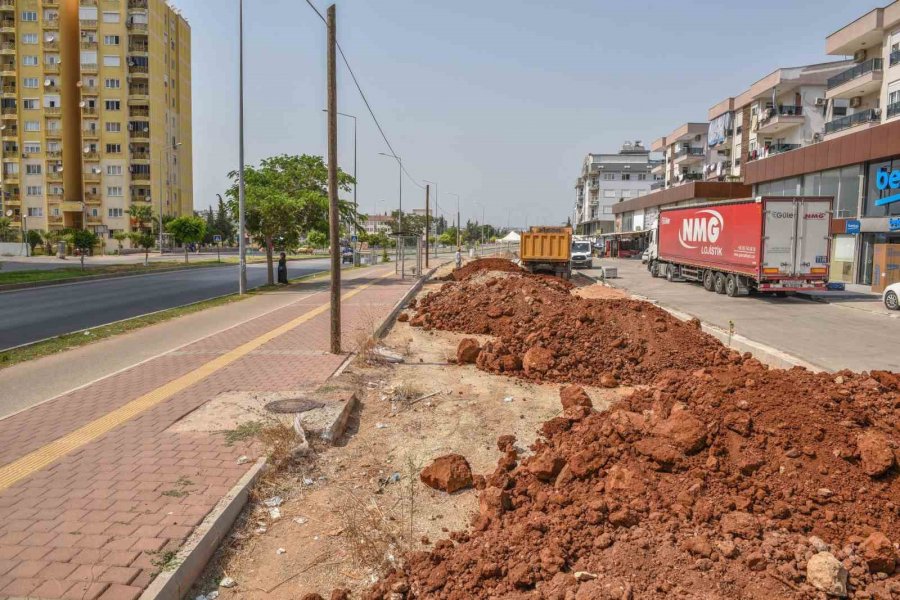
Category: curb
[204,541]
[763,352]
[392,316]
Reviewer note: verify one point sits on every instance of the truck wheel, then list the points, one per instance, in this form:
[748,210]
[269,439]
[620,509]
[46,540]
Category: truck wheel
[731,286]
[720,283]
[653,267]
[709,281]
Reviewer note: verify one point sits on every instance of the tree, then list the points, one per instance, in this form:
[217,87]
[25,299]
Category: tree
[187,230]
[286,196]
[145,240]
[317,239]
[34,239]
[223,225]
[141,217]
[120,236]
[448,238]
[84,241]
[51,238]
[5,228]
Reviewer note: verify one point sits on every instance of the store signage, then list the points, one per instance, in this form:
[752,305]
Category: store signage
[894,224]
[888,181]
[853,226]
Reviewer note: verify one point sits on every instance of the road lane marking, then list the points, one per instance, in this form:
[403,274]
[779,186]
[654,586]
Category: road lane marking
[50,453]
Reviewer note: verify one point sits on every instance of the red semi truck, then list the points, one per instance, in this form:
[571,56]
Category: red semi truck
[774,244]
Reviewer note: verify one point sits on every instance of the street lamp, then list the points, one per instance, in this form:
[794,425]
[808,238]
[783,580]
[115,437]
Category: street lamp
[242,246]
[482,220]
[435,212]
[400,217]
[458,224]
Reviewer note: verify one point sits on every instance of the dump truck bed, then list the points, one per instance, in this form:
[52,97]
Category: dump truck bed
[546,246]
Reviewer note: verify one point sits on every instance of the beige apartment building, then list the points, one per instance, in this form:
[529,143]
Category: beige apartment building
[684,151]
[96,112]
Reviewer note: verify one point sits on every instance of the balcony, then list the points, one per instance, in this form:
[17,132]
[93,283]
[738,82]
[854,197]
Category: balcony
[688,155]
[54,134]
[893,110]
[51,3]
[139,70]
[140,156]
[137,4]
[772,150]
[91,198]
[51,46]
[88,44]
[139,91]
[52,111]
[8,26]
[138,48]
[13,153]
[142,27]
[7,4]
[93,220]
[781,119]
[8,48]
[139,112]
[91,155]
[54,175]
[10,178]
[8,69]
[88,23]
[873,115]
[9,91]
[9,112]
[686,177]
[90,90]
[89,110]
[51,24]
[52,68]
[139,135]
[89,68]
[864,78]
[54,153]
[53,197]
[8,133]
[140,176]
[139,197]
[91,177]
[657,185]
[91,133]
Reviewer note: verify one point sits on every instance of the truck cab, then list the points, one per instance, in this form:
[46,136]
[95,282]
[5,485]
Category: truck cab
[581,254]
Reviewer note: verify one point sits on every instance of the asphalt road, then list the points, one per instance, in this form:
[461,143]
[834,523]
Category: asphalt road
[39,313]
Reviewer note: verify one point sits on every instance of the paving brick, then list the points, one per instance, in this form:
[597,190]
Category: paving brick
[121,592]
[149,544]
[121,558]
[6,565]
[84,590]
[27,568]
[92,541]
[120,575]
[58,570]
[20,587]
[144,578]
[91,572]
[52,589]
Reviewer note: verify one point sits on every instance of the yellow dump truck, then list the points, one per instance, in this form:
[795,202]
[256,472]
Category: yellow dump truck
[547,250]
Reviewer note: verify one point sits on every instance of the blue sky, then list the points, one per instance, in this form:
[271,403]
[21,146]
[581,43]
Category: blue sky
[498,101]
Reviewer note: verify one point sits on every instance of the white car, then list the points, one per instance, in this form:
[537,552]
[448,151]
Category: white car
[645,257]
[891,296]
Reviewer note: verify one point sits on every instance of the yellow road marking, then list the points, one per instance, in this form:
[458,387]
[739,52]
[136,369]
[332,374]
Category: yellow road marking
[40,458]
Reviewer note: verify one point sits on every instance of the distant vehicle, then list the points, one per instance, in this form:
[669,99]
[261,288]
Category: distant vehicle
[891,296]
[346,255]
[645,257]
[581,254]
[774,244]
[547,250]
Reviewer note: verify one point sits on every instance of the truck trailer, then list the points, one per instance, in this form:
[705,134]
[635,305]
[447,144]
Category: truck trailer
[772,244]
[547,250]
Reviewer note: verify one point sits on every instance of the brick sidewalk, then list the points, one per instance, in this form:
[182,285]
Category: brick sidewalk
[99,521]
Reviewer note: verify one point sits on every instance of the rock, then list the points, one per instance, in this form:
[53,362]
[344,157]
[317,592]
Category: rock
[311,596]
[826,573]
[585,576]
[818,544]
[875,453]
[387,355]
[403,317]
[727,548]
[505,443]
[494,312]
[340,594]
[546,466]
[879,553]
[659,451]
[417,321]
[623,518]
[697,546]
[574,395]
[756,561]
[608,380]
[467,352]
[740,524]
[510,363]
[538,361]
[493,502]
[227,582]
[448,473]
[685,431]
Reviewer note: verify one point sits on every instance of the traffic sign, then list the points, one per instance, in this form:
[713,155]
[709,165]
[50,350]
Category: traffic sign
[217,239]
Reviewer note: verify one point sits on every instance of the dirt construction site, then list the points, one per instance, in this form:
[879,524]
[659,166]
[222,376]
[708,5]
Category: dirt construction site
[521,436]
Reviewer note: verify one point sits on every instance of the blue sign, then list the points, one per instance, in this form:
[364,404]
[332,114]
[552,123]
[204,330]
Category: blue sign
[853,226]
[353,238]
[885,181]
[894,224]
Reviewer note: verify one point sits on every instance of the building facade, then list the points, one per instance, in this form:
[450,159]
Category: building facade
[684,151]
[607,179]
[96,112]
[375,224]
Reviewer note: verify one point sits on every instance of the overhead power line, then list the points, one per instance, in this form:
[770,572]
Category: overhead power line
[364,99]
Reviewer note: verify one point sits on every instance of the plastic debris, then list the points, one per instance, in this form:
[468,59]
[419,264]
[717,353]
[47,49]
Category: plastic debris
[300,520]
[508,399]
[275,513]
[380,426]
[227,582]
[273,501]
[242,460]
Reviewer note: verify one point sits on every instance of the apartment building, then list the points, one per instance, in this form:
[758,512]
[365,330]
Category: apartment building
[607,179]
[96,112]
[376,224]
[684,153]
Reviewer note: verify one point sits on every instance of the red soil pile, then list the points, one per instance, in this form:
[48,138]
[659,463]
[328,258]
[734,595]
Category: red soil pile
[547,334]
[481,265]
[721,483]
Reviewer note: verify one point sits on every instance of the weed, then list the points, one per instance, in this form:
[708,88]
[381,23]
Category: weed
[175,493]
[244,431]
[165,561]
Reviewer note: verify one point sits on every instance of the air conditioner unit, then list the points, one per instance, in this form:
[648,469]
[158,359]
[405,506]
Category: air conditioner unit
[855,101]
[821,101]
[859,56]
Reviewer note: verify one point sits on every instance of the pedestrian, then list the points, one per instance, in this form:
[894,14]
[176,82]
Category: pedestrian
[282,269]
[458,257]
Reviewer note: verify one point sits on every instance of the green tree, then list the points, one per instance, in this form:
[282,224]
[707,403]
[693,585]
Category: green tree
[448,238]
[144,240]
[34,239]
[5,228]
[317,239]
[187,230]
[141,217]
[286,196]
[84,241]
[51,238]
[120,237]
[223,225]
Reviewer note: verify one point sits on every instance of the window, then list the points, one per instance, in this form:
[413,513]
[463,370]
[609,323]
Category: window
[29,38]
[31,148]
[55,211]
[113,127]
[113,105]
[114,191]
[35,211]
[87,13]
[31,82]
[114,169]
[115,212]
[113,84]
[609,194]
[626,176]
[112,61]
[88,57]
[111,17]
[893,92]
[111,40]
[30,104]
[30,61]
[642,177]
[32,169]
[609,176]
[32,125]
[114,148]
[30,16]
[34,190]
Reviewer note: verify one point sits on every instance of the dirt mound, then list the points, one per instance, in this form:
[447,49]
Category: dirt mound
[547,334]
[481,265]
[719,483]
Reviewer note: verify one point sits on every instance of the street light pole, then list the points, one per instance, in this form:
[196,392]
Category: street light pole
[458,223]
[435,213]
[400,216]
[242,246]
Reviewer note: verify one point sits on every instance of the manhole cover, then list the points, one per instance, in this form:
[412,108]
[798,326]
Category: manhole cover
[292,405]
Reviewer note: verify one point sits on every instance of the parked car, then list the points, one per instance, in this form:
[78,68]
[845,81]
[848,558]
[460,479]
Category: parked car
[891,296]
[347,255]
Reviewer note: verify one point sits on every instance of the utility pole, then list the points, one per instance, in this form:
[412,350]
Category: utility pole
[242,247]
[427,221]
[333,215]
[437,223]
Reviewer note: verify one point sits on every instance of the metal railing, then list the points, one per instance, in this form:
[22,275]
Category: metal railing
[893,109]
[866,116]
[690,151]
[895,57]
[863,68]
